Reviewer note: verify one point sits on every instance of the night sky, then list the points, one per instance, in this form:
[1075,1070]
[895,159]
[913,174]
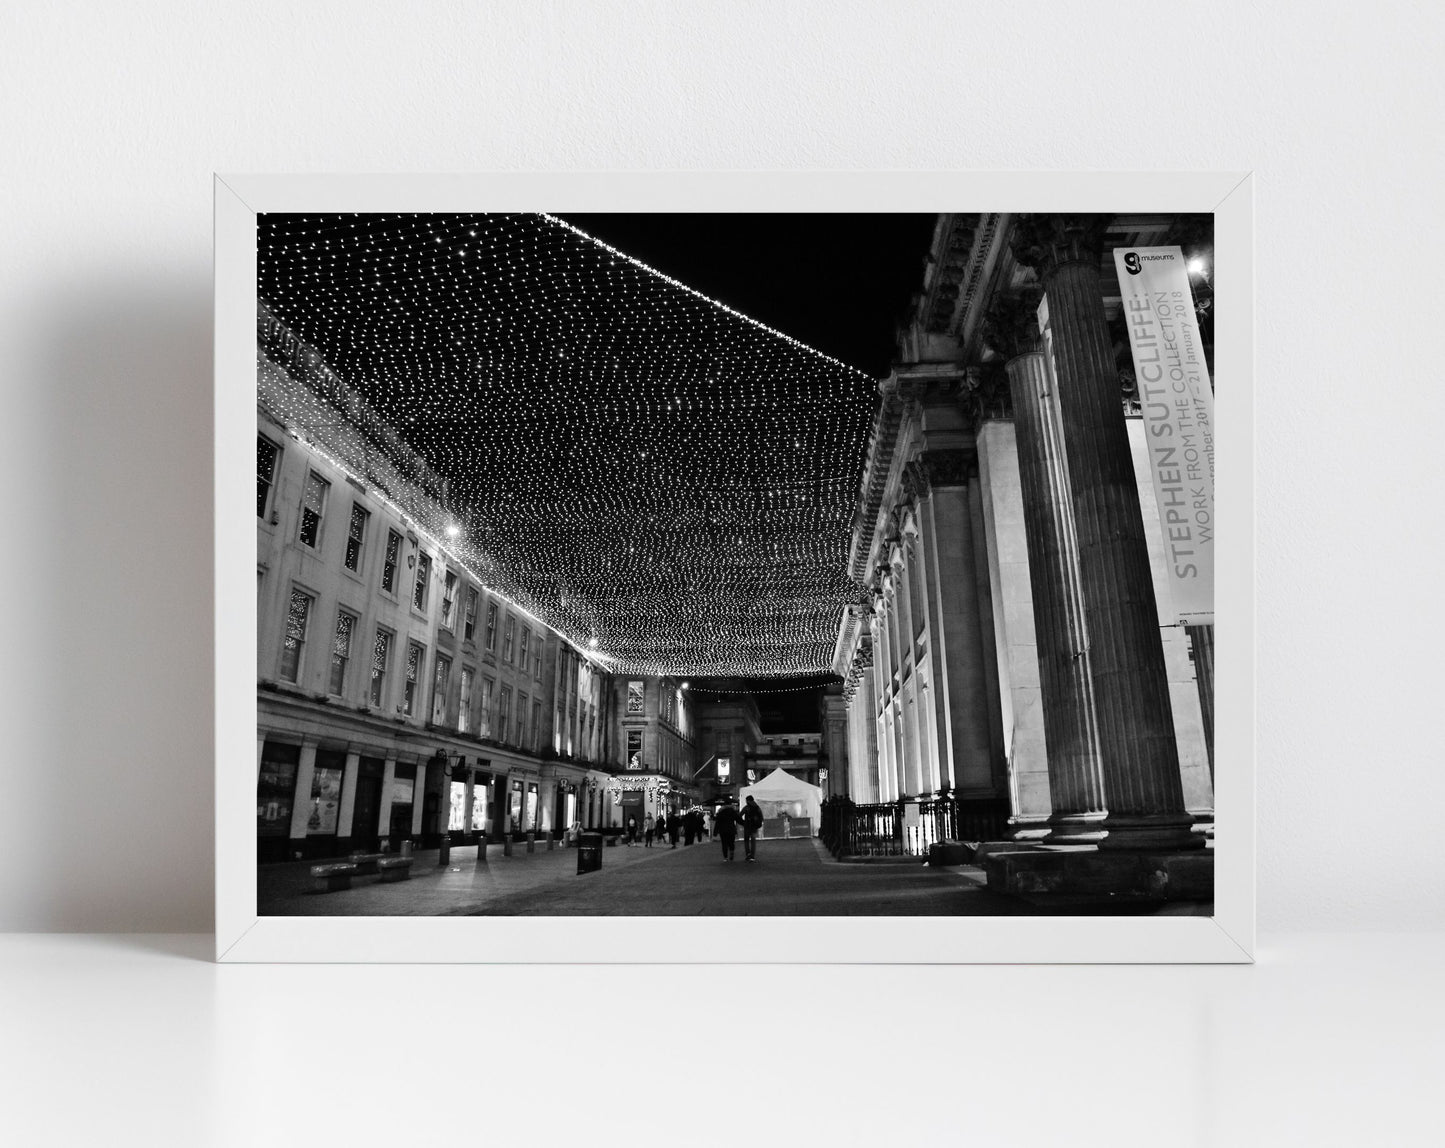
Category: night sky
[840,283]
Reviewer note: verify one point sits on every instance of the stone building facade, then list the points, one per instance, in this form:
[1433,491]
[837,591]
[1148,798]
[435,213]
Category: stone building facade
[1012,647]
[398,697]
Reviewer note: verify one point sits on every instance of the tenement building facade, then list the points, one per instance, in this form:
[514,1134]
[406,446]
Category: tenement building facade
[1013,649]
[398,698]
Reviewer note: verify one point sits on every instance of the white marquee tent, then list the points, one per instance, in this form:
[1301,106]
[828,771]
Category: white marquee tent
[781,792]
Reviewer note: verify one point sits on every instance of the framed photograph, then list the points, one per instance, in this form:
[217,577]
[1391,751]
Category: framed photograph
[704,567]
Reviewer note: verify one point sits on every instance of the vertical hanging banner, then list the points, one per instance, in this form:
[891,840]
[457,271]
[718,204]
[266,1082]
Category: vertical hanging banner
[1177,401]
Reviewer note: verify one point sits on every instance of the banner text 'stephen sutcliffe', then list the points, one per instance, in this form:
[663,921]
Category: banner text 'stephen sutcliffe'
[1177,402]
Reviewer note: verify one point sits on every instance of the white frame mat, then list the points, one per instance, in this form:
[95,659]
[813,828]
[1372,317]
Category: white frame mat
[242,936]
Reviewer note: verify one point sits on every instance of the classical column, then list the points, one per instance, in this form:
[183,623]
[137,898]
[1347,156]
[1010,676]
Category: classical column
[1201,649]
[1142,792]
[1071,739]
[957,642]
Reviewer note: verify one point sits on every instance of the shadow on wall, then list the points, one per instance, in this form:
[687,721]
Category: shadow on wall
[110,808]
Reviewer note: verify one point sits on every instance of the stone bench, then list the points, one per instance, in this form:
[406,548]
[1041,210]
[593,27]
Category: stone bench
[394,869]
[366,863]
[337,875]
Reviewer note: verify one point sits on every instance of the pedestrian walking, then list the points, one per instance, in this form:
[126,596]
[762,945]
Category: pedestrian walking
[725,827]
[647,833]
[674,828]
[752,822]
[689,825]
[631,832]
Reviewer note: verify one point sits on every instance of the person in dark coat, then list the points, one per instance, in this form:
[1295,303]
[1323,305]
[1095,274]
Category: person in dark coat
[689,826]
[752,822]
[725,826]
[661,827]
[674,828]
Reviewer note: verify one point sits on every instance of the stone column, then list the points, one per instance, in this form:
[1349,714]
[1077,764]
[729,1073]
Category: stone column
[1076,779]
[418,797]
[1201,649]
[383,811]
[260,754]
[348,795]
[305,775]
[1142,791]
[956,646]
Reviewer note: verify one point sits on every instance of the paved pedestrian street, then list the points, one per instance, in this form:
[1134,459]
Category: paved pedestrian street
[790,878]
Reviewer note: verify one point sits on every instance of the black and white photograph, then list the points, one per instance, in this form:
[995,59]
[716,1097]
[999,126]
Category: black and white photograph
[749,564]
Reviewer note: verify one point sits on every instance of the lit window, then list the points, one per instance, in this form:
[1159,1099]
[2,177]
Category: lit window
[492,626]
[380,656]
[355,536]
[388,567]
[341,651]
[522,720]
[536,742]
[464,709]
[537,659]
[266,453]
[313,506]
[415,657]
[508,639]
[469,615]
[423,576]
[522,649]
[440,679]
[449,598]
[297,617]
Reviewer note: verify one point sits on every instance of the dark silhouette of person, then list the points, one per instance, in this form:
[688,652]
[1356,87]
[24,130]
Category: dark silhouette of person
[752,822]
[674,828]
[689,826]
[725,826]
[650,824]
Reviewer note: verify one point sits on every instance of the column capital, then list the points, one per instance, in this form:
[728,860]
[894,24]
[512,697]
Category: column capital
[1011,327]
[941,468]
[1048,242]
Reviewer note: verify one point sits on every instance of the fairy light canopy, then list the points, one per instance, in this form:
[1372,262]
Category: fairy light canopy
[665,481]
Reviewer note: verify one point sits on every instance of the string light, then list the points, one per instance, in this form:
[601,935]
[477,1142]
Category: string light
[664,481]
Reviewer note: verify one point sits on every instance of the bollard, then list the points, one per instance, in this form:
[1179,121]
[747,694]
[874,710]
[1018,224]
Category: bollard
[481,850]
[506,844]
[406,848]
[550,843]
[531,841]
[444,854]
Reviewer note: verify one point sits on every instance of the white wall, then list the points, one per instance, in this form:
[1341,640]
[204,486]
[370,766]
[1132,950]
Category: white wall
[114,116]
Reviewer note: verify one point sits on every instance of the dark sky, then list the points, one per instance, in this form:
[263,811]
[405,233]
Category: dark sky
[839,283]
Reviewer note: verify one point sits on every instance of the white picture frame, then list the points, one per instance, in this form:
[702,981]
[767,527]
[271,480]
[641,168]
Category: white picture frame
[243,936]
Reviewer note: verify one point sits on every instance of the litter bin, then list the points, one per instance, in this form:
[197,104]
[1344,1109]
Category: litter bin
[589,852]
[444,856]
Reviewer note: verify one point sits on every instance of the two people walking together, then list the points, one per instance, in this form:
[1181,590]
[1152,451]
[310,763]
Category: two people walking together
[726,824]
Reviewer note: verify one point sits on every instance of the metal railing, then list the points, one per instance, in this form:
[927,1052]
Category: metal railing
[908,826]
